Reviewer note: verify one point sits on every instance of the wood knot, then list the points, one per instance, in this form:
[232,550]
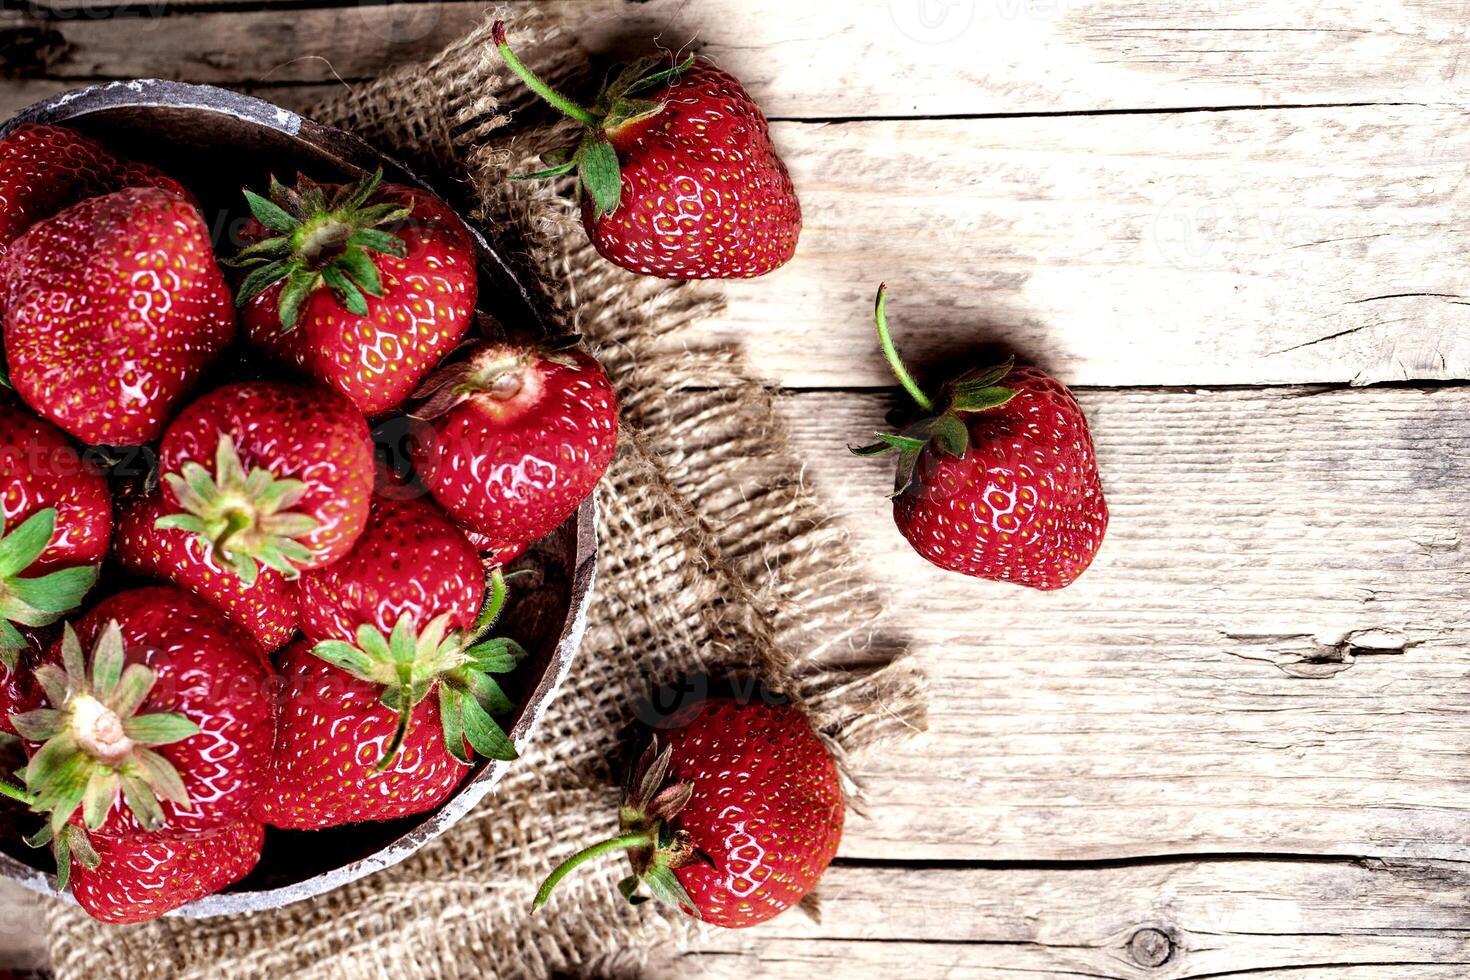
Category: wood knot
[1150,947]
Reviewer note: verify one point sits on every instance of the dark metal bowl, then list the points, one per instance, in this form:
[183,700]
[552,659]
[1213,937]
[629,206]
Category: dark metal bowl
[217,141]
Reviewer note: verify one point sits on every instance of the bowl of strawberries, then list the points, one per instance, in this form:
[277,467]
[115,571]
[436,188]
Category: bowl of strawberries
[298,536]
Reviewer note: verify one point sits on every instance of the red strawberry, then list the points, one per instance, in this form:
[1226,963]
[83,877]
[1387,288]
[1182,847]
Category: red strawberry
[681,180]
[519,439]
[55,523]
[112,310]
[143,878]
[492,554]
[269,474]
[168,727]
[266,610]
[18,689]
[365,292]
[735,820]
[1002,483]
[45,169]
[409,561]
[379,711]
[144,175]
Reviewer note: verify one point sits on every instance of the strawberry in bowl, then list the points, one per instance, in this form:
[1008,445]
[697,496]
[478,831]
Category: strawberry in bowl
[364,286]
[239,471]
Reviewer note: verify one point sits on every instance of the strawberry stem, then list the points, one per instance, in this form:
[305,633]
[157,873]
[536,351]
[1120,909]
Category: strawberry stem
[625,842]
[535,84]
[400,731]
[16,794]
[494,605]
[880,314]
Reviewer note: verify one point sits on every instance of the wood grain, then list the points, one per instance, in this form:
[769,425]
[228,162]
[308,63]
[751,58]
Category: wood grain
[1163,920]
[1201,248]
[1240,247]
[824,60]
[1267,655]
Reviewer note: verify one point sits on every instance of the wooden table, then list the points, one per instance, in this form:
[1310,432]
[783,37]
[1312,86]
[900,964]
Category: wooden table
[1241,743]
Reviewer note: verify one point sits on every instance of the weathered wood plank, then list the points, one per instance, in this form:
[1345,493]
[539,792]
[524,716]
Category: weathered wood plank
[1170,920]
[1268,654]
[1197,248]
[859,58]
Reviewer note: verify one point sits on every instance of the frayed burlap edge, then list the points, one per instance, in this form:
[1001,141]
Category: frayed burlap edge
[715,557]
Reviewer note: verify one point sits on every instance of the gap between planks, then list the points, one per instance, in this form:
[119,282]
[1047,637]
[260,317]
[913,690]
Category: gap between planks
[850,58]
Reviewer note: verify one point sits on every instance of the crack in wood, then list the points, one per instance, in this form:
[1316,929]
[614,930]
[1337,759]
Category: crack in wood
[1304,656]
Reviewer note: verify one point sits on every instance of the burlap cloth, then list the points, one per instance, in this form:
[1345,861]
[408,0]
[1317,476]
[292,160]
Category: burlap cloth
[713,555]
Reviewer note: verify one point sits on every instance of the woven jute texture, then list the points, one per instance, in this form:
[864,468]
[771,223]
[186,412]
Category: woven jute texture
[714,558]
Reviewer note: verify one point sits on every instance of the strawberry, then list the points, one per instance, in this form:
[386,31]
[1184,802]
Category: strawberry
[145,175]
[517,439]
[492,554]
[680,178]
[365,291]
[733,820]
[55,524]
[45,169]
[143,878]
[112,310]
[388,694]
[1001,481]
[266,609]
[269,474]
[18,689]
[167,728]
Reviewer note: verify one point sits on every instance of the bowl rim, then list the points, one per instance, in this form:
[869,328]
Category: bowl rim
[164,94]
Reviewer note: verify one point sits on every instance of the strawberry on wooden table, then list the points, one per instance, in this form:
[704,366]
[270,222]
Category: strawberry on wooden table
[269,474]
[112,310]
[999,479]
[143,878]
[55,525]
[365,287]
[264,609]
[391,690]
[679,175]
[733,820]
[518,438]
[166,727]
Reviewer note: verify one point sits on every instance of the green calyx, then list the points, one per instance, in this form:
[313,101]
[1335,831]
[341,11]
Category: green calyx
[320,243]
[71,843]
[974,391]
[411,665]
[618,106]
[95,743]
[39,600]
[243,517]
[655,846]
